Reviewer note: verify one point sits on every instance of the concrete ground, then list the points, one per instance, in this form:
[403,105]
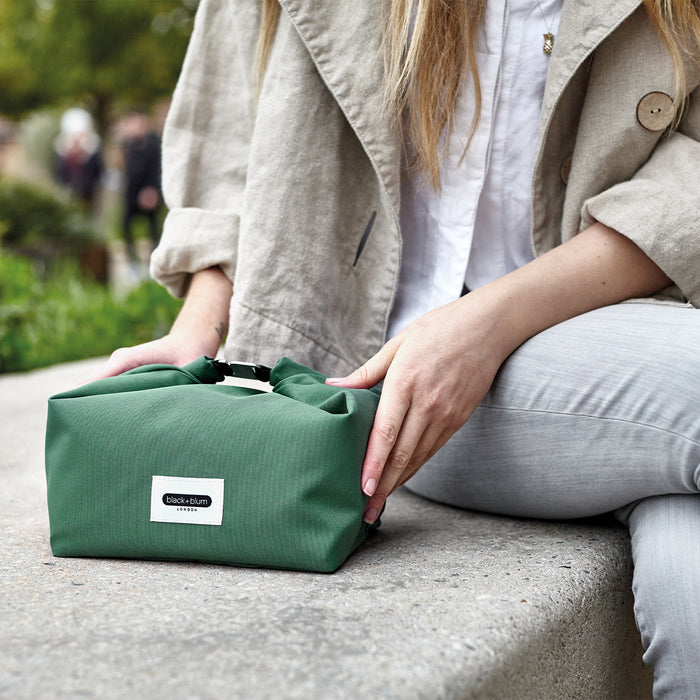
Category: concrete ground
[440,604]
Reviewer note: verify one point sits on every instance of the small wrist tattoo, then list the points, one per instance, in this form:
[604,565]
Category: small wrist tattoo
[222,330]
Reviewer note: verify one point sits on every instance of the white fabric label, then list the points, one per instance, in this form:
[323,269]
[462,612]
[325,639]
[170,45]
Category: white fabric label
[178,499]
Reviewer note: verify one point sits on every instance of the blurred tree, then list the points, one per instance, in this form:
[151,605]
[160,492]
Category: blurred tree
[95,52]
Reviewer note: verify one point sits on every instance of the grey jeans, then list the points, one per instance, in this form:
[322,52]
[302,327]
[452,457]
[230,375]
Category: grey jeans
[598,414]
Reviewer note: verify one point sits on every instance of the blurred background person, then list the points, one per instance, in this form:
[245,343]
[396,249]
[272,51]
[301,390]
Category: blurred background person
[79,161]
[142,195]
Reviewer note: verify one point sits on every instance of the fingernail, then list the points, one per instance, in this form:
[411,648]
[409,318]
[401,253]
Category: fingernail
[370,487]
[334,380]
[370,515]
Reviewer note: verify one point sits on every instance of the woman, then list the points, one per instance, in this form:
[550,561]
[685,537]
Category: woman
[351,201]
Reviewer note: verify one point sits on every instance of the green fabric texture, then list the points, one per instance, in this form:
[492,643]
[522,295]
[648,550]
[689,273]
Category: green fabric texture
[290,460]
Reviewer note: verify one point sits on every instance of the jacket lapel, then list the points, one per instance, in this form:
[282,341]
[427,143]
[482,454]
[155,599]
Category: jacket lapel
[344,41]
[584,25]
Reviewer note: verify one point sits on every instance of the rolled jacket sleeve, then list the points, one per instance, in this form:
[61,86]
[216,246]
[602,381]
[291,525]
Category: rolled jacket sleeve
[659,208]
[205,147]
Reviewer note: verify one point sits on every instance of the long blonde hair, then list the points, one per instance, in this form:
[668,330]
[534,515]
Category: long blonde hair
[423,75]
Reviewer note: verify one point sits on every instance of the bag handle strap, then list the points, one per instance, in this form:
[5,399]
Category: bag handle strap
[243,370]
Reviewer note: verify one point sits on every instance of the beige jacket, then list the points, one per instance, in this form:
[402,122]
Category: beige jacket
[297,200]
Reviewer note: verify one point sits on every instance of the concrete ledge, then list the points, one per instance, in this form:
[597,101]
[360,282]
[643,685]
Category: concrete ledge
[440,604]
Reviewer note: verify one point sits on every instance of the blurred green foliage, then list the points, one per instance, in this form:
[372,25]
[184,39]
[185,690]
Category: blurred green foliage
[104,55]
[39,222]
[93,52]
[67,316]
[37,134]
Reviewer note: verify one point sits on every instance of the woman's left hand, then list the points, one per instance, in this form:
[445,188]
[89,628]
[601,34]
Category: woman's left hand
[435,372]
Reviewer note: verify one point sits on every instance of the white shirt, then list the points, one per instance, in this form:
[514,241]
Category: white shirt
[478,227]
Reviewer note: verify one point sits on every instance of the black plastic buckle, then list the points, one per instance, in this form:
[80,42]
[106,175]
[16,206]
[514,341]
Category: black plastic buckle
[243,370]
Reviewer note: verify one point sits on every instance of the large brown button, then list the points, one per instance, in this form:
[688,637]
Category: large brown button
[655,111]
[565,169]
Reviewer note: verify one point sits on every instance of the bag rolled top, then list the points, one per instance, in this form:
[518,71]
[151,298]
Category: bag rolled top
[162,463]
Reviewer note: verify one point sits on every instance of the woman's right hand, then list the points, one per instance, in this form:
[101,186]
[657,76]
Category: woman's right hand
[199,329]
[172,349]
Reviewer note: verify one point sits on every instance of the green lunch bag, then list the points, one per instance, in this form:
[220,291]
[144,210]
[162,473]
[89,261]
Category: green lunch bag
[162,463]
